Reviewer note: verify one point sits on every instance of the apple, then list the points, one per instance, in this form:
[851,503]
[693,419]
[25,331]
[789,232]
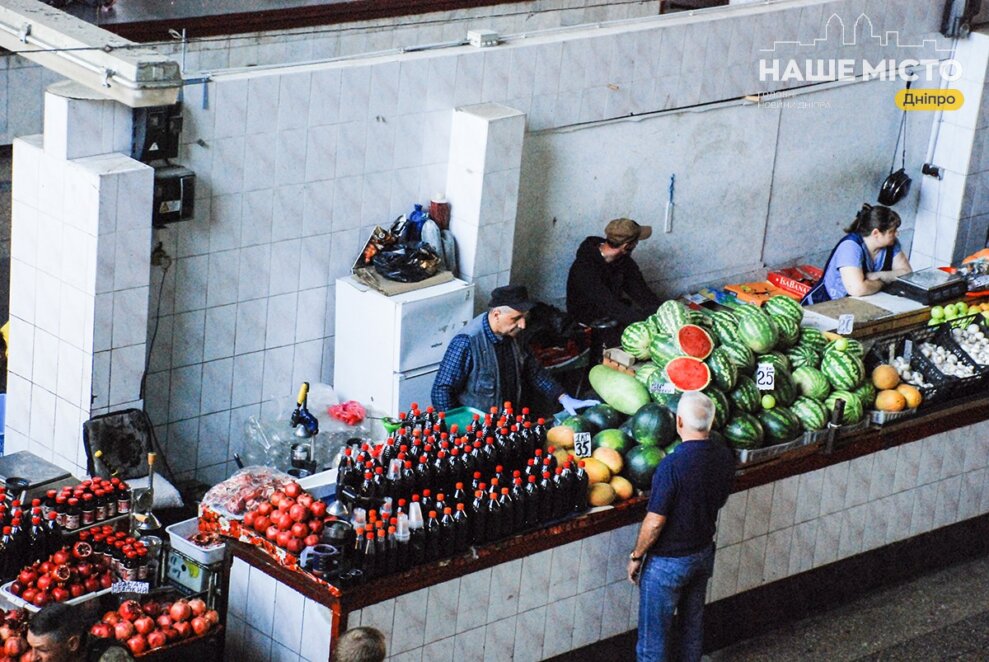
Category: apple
[179,611]
[156,639]
[123,630]
[137,644]
[199,625]
[101,630]
[144,624]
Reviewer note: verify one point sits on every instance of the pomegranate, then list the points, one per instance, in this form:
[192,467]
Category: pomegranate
[15,646]
[315,525]
[293,490]
[76,590]
[111,618]
[81,550]
[16,588]
[28,594]
[299,512]
[199,625]
[130,610]
[156,639]
[60,573]
[261,524]
[311,540]
[106,580]
[84,569]
[137,644]
[44,582]
[271,533]
[27,577]
[249,518]
[144,624]
[151,608]
[59,594]
[197,606]
[283,521]
[123,630]
[300,530]
[171,634]
[294,545]
[164,621]
[183,629]
[264,509]
[179,611]
[41,598]
[318,509]
[61,557]
[212,617]
[282,539]
[91,584]
[101,630]
[45,568]
[305,499]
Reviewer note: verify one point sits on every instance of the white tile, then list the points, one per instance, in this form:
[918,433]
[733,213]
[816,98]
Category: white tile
[505,584]
[469,645]
[290,163]
[439,651]
[68,429]
[214,434]
[236,639]
[126,368]
[933,450]
[312,313]
[130,314]
[278,364]
[256,218]
[287,628]
[182,445]
[947,502]
[280,653]
[185,392]
[883,474]
[900,512]
[21,333]
[248,373]
[587,617]
[558,636]
[410,622]
[594,562]
[227,174]
[191,280]
[907,466]
[287,212]
[731,521]
[321,153]
[45,368]
[22,294]
[969,500]
[954,455]
[380,615]
[252,319]
[262,104]
[223,278]
[220,326]
[261,597]
[230,104]
[618,597]
[834,488]
[226,222]
[777,563]
[285,265]
[133,251]
[859,480]
[751,563]
[809,496]
[475,593]
[18,403]
[622,542]
[828,537]
[48,289]
[101,380]
[529,635]
[258,645]
[499,642]
[188,334]
[876,523]
[42,429]
[441,611]
[802,547]
[217,385]
[70,373]
[255,269]
[758,509]
[976,454]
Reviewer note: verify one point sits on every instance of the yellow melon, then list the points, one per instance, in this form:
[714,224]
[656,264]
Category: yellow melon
[601,494]
[912,394]
[562,456]
[611,458]
[890,400]
[560,436]
[885,377]
[597,471]
[623,488]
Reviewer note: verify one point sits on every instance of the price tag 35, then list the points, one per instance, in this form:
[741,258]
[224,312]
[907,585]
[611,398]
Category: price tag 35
[582,444]
[765,376]
[846,323]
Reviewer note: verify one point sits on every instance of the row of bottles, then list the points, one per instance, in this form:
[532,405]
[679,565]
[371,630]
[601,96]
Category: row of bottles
[91,501]
[128,557]
[26,537]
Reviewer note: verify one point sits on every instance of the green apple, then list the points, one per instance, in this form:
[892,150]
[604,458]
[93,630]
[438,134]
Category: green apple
[768,401]
[937,312]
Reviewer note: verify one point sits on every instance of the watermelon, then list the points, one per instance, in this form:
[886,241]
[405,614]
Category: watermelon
[746,396]
[783,389]
[694,341]
[783,306]
[803,355]
[644,372]
[579,424]
[652,324]
[603,416]
[853,406]
[811,382]
[740,355]
[743,431]
[725,325]
[688,374]
[662,349]
[812,413]
[811,337]
[672,447]
[789,331]
[698,318]
[612,438]
[779,424]
[845,371]
[722,406]
[777,359]
[653,425]
[641,463]
[671,315]
[635,340]
[668,400]
[756,331]
[724,372]
[854,347]
[621,391]
[866,393]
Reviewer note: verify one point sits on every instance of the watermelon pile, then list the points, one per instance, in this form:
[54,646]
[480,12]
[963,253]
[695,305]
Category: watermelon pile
[717,352]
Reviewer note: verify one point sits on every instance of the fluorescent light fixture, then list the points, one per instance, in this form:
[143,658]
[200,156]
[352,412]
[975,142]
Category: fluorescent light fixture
[132,74]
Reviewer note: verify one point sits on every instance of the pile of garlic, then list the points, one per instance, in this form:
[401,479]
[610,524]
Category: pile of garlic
[973,342]
[945,361]
[902,366]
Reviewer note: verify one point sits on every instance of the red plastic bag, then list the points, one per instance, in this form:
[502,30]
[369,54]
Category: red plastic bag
[350,412]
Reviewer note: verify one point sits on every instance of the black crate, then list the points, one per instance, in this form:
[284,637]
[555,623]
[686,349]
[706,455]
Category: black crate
[959,386]
[939,389]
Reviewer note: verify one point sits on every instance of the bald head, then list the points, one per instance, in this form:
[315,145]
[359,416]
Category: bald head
[695,414]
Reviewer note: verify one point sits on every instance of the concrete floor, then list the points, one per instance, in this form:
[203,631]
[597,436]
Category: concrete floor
[942,615]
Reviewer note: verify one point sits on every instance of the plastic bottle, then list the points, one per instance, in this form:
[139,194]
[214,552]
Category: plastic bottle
[494,516]
[417,534]
[547,498]
[479,517]
[370,557]
[580,483]
[432,537]
[402,557]
[448,544]
[518,498]
[391,551]
[461,529]
[507,512]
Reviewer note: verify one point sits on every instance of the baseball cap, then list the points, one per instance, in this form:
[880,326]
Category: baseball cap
[623,230]
[515,297]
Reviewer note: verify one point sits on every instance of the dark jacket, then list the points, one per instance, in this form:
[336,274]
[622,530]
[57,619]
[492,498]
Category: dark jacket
[597,289]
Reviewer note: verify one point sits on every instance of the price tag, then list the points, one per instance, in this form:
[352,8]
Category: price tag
[582,444]
[129,587]
[662,387]
[765,376]
[845,324]
[907,349]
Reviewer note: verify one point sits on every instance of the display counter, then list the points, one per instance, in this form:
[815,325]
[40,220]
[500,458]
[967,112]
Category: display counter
[558,589]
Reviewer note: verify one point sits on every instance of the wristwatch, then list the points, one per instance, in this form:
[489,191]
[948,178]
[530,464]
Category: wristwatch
[633,557]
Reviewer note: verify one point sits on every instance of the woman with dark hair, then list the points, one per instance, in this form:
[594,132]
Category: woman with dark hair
[865,259]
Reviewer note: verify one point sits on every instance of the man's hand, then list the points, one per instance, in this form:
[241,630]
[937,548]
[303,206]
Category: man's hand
[573,404]
[634,568]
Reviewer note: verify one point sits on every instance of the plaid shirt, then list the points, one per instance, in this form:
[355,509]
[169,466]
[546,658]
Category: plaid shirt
[457,364]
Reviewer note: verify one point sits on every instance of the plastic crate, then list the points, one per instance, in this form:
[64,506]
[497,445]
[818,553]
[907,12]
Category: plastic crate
[945,336]
[461,416]
[939,389]
[883,417]
[18,602]
[178,538]
[958,386]
[745,456]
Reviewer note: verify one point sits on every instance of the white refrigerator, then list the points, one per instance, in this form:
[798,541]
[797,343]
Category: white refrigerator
[388,349]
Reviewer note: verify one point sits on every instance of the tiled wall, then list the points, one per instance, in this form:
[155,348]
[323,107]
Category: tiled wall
[80,275]
[295,166]
[953,219]
[565,598]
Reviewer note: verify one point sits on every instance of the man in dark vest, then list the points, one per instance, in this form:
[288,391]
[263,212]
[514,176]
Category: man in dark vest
[485,366]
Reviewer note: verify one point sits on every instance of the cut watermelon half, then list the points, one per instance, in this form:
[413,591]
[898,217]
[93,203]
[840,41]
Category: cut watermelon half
[688,374]
[694,341]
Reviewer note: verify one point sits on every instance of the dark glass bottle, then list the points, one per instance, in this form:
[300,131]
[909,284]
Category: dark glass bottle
[123,498]
[369,559]
[53,535]
[73,515]
[432,537]
[461,529]
[494,516]
[547,497]
[88,510]
[7,560]
[36,547]
[49,503]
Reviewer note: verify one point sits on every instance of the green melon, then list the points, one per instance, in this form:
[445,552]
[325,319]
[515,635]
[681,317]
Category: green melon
[811,337]
[641,463]
[803,355]
[757,331]
[853,347]
[784,306]
[744,431]
[778,359]
[662,350]
[779,424]
[621,391]
[811,382]
[845,371]
[644,371]
[671,315]
[653,425]
[724,372]
[604,416]
[812,413]
[784,390]
[746,396]
[635,340]
[789,331]
[614,439]
[866,393]
[740,355]
[692,340]
[668,400]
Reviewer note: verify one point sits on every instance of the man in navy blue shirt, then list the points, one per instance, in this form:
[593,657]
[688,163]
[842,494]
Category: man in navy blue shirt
[485,365]
[674,553]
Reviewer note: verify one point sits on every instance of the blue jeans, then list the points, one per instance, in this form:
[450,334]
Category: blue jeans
[668,585]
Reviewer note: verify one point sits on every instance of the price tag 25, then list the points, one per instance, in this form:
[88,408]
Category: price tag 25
[765,376]
[845,324]
[582,444]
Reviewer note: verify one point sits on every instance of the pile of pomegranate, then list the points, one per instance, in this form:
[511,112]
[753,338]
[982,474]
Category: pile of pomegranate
[13,637]
[291,518]
[71,572]
[144,627]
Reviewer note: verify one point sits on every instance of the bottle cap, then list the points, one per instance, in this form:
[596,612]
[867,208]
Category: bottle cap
[448,510]
[432,514]
[504,490]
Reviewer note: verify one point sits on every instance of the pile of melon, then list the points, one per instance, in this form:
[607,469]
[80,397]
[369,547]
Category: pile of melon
[626,449]
[892,394]
[718,352]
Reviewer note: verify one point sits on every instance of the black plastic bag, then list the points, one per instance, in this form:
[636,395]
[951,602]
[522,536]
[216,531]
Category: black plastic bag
[408,264]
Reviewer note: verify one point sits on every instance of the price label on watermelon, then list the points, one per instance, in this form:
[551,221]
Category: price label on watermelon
[845,324]
[765,376]
[662,387]
[582,444]
[129,587]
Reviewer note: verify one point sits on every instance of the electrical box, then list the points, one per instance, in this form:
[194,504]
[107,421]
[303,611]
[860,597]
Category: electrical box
[174,194]
[156,133]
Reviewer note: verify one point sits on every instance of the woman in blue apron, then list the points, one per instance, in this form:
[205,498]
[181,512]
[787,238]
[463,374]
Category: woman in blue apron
[865,259]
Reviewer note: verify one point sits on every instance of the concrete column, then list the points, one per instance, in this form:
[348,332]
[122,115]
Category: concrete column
[80,271]
[483,188]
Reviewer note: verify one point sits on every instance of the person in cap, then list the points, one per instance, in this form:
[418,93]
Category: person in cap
[605,282]
[485,365]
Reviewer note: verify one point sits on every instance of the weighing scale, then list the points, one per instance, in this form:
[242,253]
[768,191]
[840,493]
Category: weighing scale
[929,286]
[191,575]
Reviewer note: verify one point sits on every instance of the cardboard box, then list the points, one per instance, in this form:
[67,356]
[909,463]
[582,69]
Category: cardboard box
[796,280]
[367,275]
[757,293]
